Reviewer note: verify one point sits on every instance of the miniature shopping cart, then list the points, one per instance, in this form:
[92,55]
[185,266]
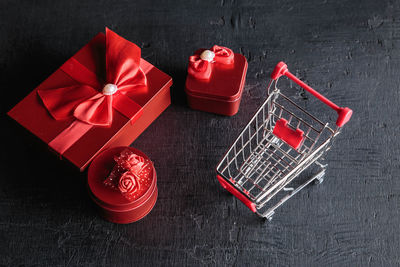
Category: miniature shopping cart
[280,142]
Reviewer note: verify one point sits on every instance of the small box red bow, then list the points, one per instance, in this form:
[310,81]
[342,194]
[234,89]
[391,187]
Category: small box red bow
[201,63]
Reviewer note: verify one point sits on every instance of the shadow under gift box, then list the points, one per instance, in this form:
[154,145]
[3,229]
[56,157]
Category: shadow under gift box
[222,93]
[32,114]
[111,204]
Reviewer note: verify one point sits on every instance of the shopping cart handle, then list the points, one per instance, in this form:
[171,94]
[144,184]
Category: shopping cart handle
[237,194]
[344,113]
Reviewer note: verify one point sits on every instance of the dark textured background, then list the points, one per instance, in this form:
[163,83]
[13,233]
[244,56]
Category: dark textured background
[349,50]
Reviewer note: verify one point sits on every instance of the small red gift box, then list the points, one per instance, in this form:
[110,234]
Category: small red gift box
[134,192]
[215,80]
[105,96]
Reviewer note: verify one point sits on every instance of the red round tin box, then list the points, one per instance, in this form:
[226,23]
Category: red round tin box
[215,80]
[113,205]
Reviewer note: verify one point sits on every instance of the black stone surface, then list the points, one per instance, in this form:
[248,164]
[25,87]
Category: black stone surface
[348,50]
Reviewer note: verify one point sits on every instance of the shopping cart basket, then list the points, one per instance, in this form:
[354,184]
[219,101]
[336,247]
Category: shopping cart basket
[280,141]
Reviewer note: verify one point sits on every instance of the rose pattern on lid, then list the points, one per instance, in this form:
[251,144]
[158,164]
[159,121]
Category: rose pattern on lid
[128,183]
[131,175]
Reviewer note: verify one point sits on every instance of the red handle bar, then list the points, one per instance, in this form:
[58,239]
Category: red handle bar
[344,114]
[237,194]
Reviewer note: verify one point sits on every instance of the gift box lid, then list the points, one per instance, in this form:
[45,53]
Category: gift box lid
[111,198]
[226,82]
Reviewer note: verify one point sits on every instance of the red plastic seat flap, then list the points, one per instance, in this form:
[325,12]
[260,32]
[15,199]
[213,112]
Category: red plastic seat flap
[294,138]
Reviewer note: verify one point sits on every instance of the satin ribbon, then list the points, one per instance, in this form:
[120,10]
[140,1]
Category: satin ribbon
[91,101]
[201,63]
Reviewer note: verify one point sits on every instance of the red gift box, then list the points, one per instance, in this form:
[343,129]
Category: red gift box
[125,114]
[215,80]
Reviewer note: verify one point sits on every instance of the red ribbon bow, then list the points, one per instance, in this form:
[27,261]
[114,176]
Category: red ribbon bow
[89,101]
[200,64]
[92,98]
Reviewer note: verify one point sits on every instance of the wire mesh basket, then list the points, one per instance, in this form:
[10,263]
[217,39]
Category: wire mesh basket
[280,142]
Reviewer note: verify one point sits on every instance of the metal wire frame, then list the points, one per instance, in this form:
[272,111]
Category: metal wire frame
[260,165]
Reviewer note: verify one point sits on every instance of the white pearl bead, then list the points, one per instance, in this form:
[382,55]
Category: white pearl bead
[110,89]
[207,55]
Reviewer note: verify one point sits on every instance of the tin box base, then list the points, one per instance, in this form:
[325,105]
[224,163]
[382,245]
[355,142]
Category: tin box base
[218,106]
[128,216]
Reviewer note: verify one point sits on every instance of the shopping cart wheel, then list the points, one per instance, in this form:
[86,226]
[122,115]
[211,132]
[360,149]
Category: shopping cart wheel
[270,216]
[319,180]
[319,177]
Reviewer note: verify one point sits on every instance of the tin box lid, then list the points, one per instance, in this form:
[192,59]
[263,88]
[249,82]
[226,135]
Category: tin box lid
[109,197]
[226,83]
